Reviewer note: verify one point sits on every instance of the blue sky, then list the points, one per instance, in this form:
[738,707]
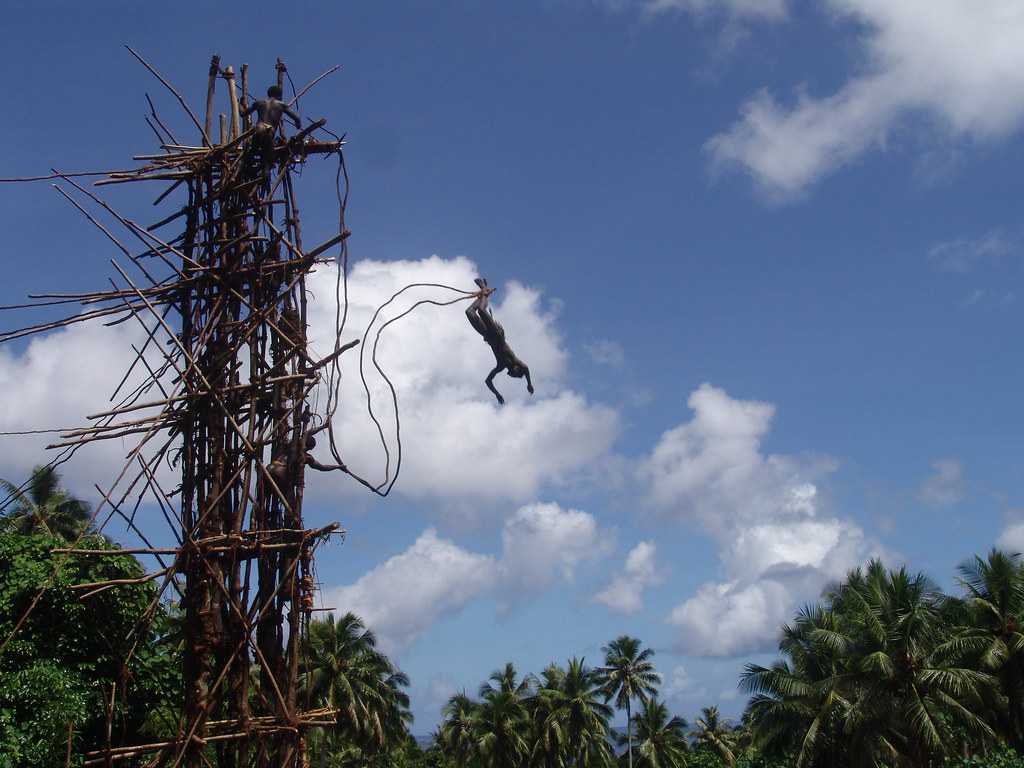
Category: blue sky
[763,259]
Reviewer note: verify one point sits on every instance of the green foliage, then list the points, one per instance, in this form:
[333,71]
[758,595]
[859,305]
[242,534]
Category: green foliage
[430,758]
[42,507]
[757,760]
[628,674]
[705,758]
[994,635]
[871,678]
[660,738]
[343,670]
[37,704]
[554,720]
[66,656]
[716,735]
[1006,758]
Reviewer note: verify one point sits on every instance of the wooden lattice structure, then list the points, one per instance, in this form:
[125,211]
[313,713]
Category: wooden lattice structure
[220,390]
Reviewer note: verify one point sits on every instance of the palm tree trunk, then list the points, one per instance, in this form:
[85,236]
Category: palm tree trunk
[629,735]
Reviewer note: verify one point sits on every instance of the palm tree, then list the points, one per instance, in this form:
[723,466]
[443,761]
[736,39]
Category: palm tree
[582,717]
[661,740]
[43,507]
[995,635]
[715,734]
[871,679]
[502,737]
[455,734]
[548,737]
[628,674]
[343,669]
[799,706]
[909,692]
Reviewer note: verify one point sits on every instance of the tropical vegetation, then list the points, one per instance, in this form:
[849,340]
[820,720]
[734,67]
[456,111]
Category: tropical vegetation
[342,670]
[628,675]
[41,506]
[885,670]
[65,657]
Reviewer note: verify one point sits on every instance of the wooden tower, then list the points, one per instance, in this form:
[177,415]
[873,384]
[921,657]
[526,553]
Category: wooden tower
[224,398]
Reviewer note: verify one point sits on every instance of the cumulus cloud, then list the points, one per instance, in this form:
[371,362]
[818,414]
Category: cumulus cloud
[540,539]
[679,683]
[457,442]
[945,485]
[403,597]
[54,384]
[777,543]
[640,572]
[959,65]
[437,692]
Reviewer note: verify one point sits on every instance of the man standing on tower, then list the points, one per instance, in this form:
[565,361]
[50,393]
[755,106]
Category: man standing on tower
[269,112]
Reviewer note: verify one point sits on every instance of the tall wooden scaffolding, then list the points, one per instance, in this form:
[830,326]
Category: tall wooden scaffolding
[226,379]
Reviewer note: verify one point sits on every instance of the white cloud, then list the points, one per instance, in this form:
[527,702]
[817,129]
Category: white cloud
[458,443]
[958,64]
[946,485]
[542,538]
[1012,537]
[438,691]
[678,683]
[729,619]
[406,595]
[776,542]
[53,384]
[402,598]
[711,469]
[640,572]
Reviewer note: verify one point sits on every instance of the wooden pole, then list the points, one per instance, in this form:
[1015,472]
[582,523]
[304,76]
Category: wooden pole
[236,123]
[214,70]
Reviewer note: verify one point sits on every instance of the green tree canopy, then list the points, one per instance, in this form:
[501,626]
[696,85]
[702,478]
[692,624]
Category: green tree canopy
[660,736]
[42,507]
[66,654]
[628,674]
[871,679]
[994,636]
[343,669]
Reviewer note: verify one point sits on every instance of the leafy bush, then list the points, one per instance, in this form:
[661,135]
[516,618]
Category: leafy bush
[65,657]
